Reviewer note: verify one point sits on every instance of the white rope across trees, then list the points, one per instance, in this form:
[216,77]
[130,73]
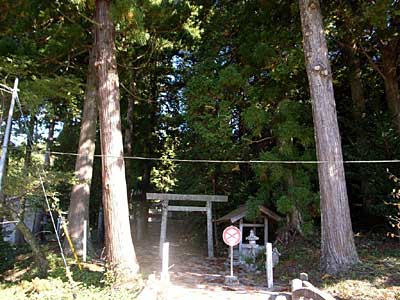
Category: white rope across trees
[233,161]
[7,89]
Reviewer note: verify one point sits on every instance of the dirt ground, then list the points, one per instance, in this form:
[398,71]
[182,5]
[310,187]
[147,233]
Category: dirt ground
[195,276]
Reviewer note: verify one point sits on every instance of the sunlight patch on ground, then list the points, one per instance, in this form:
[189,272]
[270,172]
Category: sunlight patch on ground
[202,292]
[364,289]
[16,275]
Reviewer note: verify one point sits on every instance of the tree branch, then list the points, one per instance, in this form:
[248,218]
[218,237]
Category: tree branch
[258,141]
[372,63]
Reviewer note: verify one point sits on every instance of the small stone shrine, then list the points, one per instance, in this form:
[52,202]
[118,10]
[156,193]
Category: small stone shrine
[252,238]
[251,243]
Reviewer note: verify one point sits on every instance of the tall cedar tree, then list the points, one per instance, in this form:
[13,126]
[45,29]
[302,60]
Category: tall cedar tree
[118,241]
[338,251]
[80,194]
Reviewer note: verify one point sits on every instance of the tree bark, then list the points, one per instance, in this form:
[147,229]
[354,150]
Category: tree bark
[142,212]
[129,130]
[120,252]
[338,251]
[390,59]
[128,140]
[100,226]
[80,195]
[357,92]
[295,218]
[128,147]
[357,95]
[143,209]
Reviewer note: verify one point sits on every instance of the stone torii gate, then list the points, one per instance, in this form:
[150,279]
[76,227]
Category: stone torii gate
[209,199]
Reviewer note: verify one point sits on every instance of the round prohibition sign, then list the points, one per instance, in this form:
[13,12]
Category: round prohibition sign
[232,236]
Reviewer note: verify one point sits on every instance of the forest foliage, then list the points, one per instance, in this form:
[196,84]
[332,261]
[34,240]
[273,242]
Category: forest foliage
[210,80]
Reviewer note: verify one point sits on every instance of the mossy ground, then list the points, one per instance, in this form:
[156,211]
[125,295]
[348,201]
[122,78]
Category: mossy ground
[91,283]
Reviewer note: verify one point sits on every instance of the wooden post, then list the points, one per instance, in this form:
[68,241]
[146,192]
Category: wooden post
[84,245]
[164,218]
[265,231]
[241,233]
[165,262]
[210,243]
[268,265]
[296,284]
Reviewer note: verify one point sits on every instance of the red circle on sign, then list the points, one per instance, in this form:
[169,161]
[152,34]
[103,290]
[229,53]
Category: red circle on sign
[232,236]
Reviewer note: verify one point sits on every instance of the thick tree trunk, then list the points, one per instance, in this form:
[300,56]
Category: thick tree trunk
[358,99]
[390,60]
[143,209]
[120,252]
[100,226]
[128,148]
[295,218]
[338,251]
[357,92]
[128,141]
[128,138]
[142,213]
[80,195]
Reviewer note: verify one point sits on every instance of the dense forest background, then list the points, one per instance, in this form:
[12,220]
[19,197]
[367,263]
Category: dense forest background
[208,80]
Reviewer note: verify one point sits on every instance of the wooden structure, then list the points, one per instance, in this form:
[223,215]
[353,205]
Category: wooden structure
[209,199]
[239,215]
[302,289]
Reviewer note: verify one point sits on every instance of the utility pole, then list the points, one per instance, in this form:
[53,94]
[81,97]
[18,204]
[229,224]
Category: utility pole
[7,133]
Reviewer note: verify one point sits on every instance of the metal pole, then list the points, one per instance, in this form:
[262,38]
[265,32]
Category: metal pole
[7,133]
[231,261]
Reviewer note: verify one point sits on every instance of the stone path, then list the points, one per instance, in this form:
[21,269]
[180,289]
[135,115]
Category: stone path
[199,293]
[194,276]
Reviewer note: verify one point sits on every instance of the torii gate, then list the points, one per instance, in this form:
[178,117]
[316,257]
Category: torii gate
[165,198]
